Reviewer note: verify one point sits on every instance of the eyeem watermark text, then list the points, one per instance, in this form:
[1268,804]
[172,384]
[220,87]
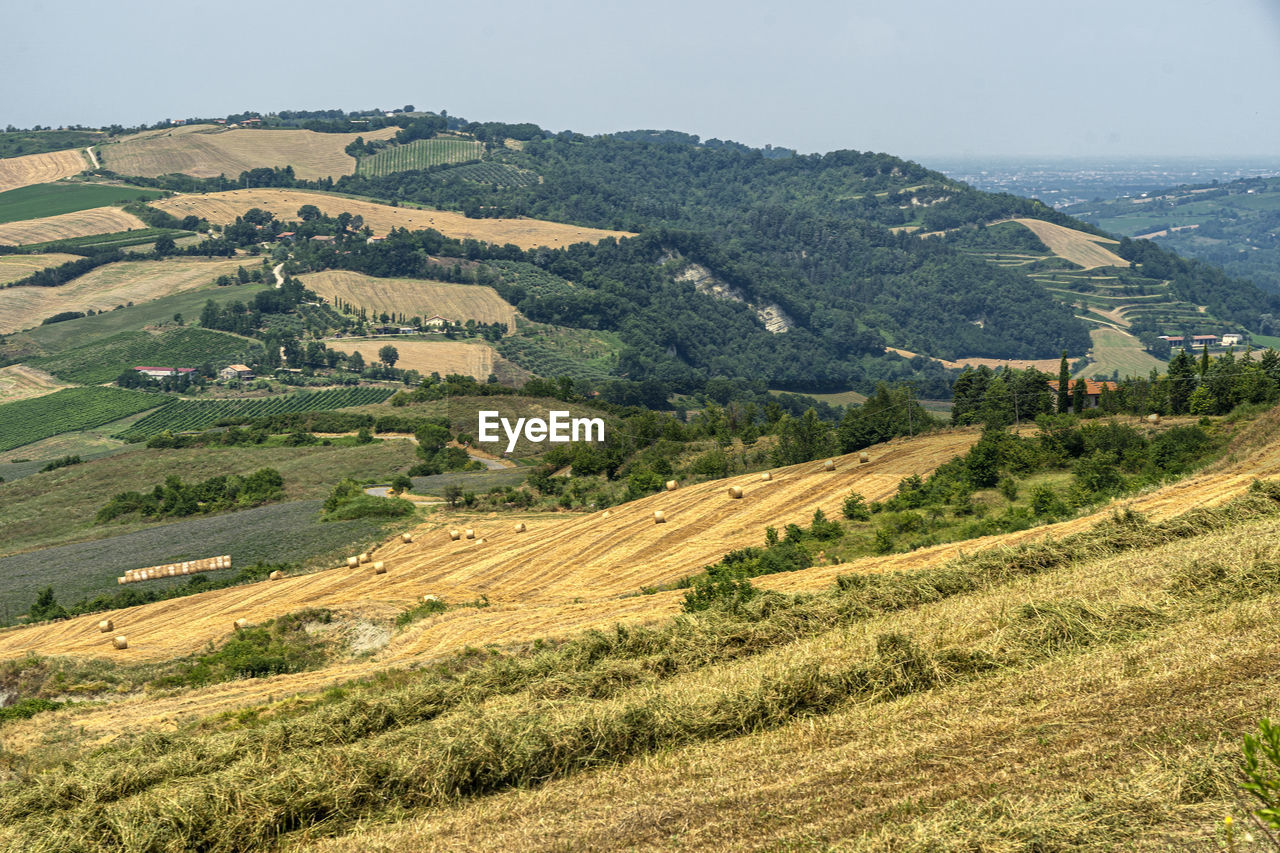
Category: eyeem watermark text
[557,428]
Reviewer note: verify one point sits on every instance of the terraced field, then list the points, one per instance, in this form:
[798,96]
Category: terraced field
[413,297]
[40,168]
[223,208]
[206,151]
[108,286]
[81,223]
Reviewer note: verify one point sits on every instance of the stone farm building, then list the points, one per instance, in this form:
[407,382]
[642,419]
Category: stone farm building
[235,371]
[1092,390]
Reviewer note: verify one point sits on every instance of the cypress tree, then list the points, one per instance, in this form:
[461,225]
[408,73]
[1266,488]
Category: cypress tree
[1064,379]
[1077,397]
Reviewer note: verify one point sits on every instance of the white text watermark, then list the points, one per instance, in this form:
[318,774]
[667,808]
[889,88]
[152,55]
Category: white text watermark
[558,427]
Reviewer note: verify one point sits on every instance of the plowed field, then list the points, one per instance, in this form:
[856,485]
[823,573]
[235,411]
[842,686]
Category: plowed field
[223,208]
[206,151]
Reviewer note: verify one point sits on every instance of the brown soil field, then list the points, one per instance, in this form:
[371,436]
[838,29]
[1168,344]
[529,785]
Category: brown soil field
[206,151]
[14,267]
[223,208]
[1047,365]
[444,357]
[1075,246]
[413,297]
[81,223]
[109,286]
[40,168]
[19,382]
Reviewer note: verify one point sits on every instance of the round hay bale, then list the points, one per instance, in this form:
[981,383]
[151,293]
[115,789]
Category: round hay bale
[469,533]
[766,476]
[276,575]
[352,562]
[121,642]
[364,556]
[241,624]
[429,597]
[455,535]
[672,485]
[659,517]
[735,492]
[106,626]
[1153,418]
[122,580]
[829,465]
[606,514]
[406,538]
[520,528]
[479,541]
[864,457]
[379,568]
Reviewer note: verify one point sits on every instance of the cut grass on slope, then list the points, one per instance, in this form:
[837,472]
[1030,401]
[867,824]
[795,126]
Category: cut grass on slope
[452,737]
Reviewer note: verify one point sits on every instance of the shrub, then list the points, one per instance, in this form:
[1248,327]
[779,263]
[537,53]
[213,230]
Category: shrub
[855,508]
[1262,771]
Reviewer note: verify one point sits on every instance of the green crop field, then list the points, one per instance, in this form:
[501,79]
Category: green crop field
[193,415]
[419,154]
[104,360]
[116,240]
[42,200]
[66,411]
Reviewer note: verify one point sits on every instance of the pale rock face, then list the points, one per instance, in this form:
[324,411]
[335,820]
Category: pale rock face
[704,281]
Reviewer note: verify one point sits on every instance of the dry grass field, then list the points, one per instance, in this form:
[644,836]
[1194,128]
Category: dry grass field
[206,151]
[413,297]
[14,267]
[223,208]
[1087,250]
[40,168]
[1047,365]
[82,223]
[19,382]
[444,357]
[106,287]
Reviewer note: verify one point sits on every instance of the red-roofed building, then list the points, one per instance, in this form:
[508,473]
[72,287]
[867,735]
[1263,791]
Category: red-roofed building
[162,372]
[1092,390]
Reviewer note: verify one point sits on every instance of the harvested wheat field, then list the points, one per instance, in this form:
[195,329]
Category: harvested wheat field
[106,287]
[476,360]
[223,208]
[20,382]
[206,151]
[1075,246]
[40,168]
[81,223]
[14,267]
[413,297]
[1045,365]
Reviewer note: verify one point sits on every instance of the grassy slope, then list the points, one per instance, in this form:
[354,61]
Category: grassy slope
[58,507]
[1114,350]
[104,360]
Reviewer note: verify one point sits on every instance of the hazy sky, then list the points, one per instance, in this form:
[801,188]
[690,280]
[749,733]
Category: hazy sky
[917,79]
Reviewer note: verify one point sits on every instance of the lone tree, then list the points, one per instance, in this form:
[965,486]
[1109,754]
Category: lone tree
[389,355]
[1064,380]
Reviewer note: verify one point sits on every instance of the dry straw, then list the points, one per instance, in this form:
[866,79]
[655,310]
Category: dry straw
[864,457]
[672,485]
[406,538]
[364,556]
[241,624]
[121,642]
[1153,418]
[766,476]
[352,562]
[735,492]
[469,533]
[106,626]
[379,568]
[829,465]
[520,528]
[276,575]
[455,535]
[659,517]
